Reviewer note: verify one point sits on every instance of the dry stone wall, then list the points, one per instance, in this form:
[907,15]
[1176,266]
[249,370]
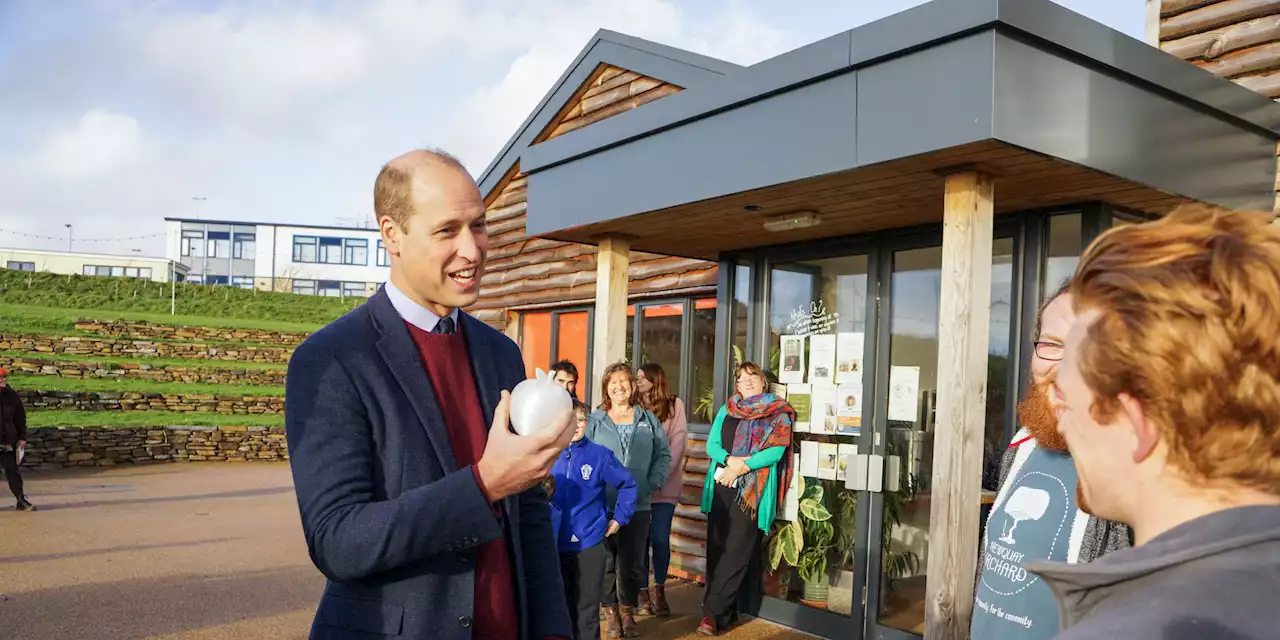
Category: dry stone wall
[142,371]
[56,447]
[34,399]
[123,347]
[187,332]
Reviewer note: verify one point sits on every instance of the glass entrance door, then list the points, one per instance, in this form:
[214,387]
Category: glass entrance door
[853,339]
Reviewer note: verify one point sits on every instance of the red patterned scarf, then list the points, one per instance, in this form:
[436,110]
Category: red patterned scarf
[764,421]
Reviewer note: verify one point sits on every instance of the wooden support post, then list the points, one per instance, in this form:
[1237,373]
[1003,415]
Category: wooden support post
[964,313]
[1152,31]
[610,340]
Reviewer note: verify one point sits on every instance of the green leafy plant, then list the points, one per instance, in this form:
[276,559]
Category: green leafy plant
[805,542]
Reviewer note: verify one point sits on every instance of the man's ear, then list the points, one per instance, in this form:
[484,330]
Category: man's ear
[390,235]
[1145,434]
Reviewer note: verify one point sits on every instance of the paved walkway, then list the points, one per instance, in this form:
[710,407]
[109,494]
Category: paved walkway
[184,552]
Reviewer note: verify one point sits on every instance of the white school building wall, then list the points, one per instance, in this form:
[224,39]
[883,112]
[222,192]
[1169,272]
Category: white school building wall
[91,264]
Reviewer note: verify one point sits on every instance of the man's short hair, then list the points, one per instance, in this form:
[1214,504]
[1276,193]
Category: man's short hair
[565,366]
[393,188]
[1062,289]
[1189,318]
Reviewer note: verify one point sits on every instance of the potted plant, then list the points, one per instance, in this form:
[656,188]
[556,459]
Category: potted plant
[804,544]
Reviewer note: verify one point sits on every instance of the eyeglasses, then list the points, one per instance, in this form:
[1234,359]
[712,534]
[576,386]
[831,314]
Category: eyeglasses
[1051,351]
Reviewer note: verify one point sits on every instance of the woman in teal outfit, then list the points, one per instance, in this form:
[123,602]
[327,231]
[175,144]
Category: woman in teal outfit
[750,444]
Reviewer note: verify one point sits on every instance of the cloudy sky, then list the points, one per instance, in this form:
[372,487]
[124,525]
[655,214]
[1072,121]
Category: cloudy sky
[117,113]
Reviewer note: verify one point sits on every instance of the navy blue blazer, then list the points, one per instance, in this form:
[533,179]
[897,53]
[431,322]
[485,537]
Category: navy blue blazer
[389,518]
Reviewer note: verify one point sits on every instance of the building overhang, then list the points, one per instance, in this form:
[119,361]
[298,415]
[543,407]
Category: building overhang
[857,127]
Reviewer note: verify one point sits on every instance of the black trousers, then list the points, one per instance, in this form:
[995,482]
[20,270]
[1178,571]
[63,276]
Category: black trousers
[733,539]
[628,548]
[9,461]
[583,574]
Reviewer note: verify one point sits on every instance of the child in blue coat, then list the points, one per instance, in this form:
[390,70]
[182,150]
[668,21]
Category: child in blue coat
[580,515]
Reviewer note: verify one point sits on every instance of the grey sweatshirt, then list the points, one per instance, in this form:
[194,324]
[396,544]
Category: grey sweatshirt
[1216,577]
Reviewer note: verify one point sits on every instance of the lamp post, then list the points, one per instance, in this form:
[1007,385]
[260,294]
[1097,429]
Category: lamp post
[173,287]
[199,200]
[68,226]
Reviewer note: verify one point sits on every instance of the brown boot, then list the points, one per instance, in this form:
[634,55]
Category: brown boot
[629,629]
[613,623]
[643,607]
[658,600]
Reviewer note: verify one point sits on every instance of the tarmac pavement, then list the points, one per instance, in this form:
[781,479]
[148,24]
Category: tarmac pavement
[186,551]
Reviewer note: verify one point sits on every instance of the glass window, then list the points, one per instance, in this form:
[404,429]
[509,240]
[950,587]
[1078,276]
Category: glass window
[304,248]
[216,280]
[355,251]
[18,265]
[661,330]
[305,287]
[144,272]
[353,290]
[131,272]
[242,247]
[242,282]
[820,307]
[702,368]
[192,243]
[573,344]
[329,288]
[90,270]
[1065,247]
[384,260]
[631,334]
[331,250]
[117,271]
[535,341]
[219,244]
[740,320]
[998,398]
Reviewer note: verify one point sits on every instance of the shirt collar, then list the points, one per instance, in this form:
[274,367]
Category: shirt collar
[414,313]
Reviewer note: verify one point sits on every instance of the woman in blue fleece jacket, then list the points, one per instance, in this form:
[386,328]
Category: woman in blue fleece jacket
[581,518]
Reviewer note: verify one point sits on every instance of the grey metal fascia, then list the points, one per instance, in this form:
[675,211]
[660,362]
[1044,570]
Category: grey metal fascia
[668,64]
[925,25]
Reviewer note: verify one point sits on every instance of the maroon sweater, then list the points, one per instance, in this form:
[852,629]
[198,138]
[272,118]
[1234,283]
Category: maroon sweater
[449,369]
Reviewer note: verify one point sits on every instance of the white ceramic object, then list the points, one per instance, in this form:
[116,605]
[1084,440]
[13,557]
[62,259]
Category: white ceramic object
[538,403]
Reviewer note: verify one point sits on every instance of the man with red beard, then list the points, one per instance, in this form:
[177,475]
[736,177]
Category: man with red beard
[1037,514]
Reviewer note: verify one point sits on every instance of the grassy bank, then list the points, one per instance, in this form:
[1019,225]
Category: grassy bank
[189,363]
[123,385]
[132,297]
[128,419]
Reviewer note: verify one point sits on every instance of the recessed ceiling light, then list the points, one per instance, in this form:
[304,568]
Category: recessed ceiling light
[789,221]
[752,207]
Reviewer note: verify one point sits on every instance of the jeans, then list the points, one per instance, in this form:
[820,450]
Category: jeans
[626,571]
[660,540]
[9,462]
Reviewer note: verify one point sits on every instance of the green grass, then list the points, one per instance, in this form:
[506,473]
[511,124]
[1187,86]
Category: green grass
[126,419]
[52,383]
[75,296]
[189,363]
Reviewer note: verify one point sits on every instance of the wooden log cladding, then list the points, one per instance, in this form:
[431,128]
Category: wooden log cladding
[696,566]
[702,466]
[690,512]
[634,88]
[1171,7]
[1216,15]
[516,210]
[611,82]
[564,251]
[696,448]
[1260,58]
[1211,44]
[692,529]
[614,109]
[690,546]
[498,227]
[672,279]
[542,269]
[691,495]
[528,244]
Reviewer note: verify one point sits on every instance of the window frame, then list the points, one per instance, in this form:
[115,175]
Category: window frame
[383,258]
[293,287]
[361,288]
[336,250]
[20,265]
[192,239]
[241,241]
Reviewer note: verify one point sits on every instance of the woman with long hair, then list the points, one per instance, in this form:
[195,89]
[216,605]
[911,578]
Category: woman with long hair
[655,395]
[637,439]
[750,446]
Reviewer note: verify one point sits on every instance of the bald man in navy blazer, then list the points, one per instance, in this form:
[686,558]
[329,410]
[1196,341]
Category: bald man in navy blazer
[419,504]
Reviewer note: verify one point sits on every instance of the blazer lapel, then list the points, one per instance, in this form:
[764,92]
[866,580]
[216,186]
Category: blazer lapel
[488,379]
[401,355]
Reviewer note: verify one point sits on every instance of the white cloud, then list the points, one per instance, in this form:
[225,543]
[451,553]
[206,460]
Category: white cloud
[100,143]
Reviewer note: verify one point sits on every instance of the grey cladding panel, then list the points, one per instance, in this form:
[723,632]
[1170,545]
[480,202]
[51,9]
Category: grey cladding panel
[795,135]
[932,99]
[1056,107]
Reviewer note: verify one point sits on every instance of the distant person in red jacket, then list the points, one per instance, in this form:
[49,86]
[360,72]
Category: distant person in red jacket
[13,437]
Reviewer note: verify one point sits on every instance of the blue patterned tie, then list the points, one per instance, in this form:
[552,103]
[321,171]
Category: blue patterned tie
[445,326]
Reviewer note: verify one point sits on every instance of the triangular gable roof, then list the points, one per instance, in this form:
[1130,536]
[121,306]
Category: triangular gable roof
[658,61]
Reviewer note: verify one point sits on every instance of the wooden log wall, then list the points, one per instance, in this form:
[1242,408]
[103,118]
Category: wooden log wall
[1235,39]
[527,271]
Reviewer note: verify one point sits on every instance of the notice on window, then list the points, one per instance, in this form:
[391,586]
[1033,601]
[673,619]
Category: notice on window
[844,451]
[808,458]
[823,414]
[792,360]
[799,398]
[791,505]
[828,460]
[849,358]
[904,394]
[822,359]
[849,412]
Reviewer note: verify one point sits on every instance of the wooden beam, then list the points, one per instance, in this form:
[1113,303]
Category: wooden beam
[610,339]
[1153,23]
[964,316]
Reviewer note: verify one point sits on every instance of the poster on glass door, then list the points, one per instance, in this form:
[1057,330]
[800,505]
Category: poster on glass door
[798,398]
[849,358]
[792,360]
[822,359]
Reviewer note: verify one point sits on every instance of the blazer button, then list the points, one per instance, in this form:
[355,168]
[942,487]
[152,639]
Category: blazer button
[464,622]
